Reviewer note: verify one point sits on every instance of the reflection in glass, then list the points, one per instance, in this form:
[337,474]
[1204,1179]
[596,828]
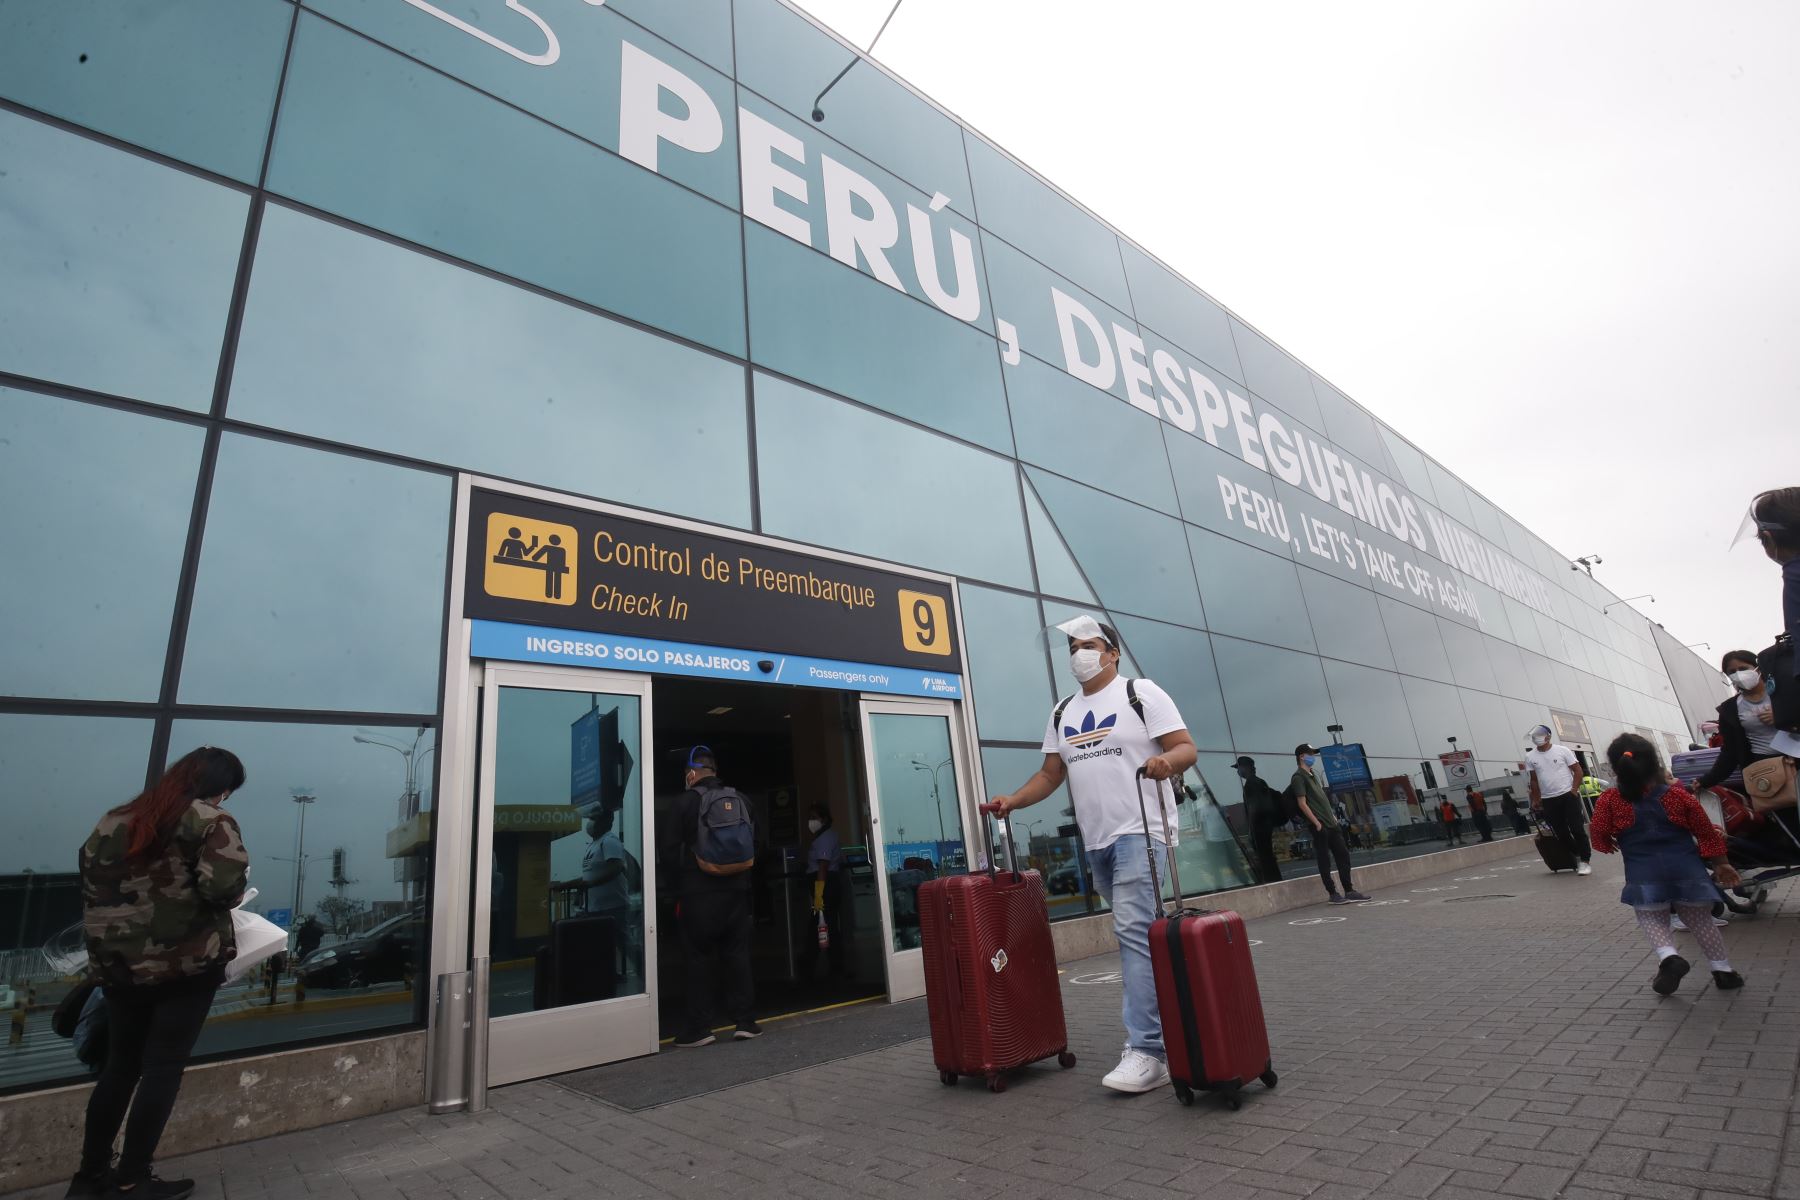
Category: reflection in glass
[566,879]
[1276,698]
[337,820]
[918,811]
[57,775]
[1107,536]
[107,524]
[1010,679]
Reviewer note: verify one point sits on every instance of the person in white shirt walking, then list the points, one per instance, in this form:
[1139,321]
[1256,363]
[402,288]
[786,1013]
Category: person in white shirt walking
[1555,775]
[1096,740]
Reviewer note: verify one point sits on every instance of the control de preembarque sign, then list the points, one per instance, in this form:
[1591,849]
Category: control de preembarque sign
[545,564]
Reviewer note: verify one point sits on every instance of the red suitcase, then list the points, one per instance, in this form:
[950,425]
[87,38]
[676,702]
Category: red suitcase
[991,987]
[1212,1015]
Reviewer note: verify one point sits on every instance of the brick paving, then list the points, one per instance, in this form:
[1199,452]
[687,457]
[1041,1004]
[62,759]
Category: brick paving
[1445,1048]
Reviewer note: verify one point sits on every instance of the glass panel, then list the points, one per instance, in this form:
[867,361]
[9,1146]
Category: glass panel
[815,319]
[1319,528]
[1277,376]
[108,526]
[1348,425]
[1045,224]
[1408,461]
[579,92]
[701,27]
[567,876]
[1276,698]
[1418,646]
[1048,836]
[1249,593]
[1346,620]
[1057,573]
[1113,539]
[1074,430]
[1183,664]
[922,499]
[919,811]
[1010,675]
[1179,312]
[785,57]
[195,80]
[321,583]
[118,271]
[368,135]
[1024,295]
[57,776]
[1469,661]
[1208,481]
[492,378]
[1207,849]
[1450,495]
[1489,728]
[1437,714]
[338,824]
[1371,705]
[1509,669]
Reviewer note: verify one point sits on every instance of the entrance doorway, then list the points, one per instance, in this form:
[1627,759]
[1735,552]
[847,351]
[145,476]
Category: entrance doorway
[790,752]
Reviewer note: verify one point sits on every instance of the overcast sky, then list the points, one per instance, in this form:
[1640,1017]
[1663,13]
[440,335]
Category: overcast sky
[1554,244]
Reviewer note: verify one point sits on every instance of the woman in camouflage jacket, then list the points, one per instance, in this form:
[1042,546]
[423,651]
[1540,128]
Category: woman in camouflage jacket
[159,878]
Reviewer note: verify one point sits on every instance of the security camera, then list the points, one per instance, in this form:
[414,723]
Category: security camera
[765,665]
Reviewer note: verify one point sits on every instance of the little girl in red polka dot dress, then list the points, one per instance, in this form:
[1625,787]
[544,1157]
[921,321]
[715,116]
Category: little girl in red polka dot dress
[1655,825]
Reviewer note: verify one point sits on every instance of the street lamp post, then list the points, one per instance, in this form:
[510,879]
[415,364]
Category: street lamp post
[415,761]
[302,798]
[937,802]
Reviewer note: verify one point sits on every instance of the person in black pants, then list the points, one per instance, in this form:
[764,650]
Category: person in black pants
[159,878]
[1262,808]
[1555,774]
[713,912]
[1328,837]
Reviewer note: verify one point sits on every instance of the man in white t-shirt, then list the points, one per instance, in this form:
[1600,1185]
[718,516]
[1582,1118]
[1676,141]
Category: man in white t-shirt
[1096,740]
[1555,775]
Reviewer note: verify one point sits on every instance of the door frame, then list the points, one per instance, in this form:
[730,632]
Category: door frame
[530,1045]
[905,969]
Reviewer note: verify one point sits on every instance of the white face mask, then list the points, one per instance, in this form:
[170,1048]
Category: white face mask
[1085,664]
[814,825]
[1746,679]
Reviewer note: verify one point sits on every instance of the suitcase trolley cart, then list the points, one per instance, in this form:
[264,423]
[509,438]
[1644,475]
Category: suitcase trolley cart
[1214,1033]
[991,986]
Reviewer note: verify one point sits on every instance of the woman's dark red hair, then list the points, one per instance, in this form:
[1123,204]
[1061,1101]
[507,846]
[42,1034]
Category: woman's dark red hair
[199,775]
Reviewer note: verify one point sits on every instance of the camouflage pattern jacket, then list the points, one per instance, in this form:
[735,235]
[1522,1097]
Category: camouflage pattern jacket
[166,916]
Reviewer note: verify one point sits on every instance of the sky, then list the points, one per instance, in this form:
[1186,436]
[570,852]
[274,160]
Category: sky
[1552,244]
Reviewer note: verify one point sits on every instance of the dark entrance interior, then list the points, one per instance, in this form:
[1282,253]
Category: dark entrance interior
[785,749]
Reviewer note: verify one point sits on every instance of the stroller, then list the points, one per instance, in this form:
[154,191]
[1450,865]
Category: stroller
[1763,846]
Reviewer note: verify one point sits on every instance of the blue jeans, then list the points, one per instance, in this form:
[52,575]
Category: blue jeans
[1122,874]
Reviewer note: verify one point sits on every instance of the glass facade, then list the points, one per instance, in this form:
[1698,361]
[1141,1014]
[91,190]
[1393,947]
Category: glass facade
[276,272]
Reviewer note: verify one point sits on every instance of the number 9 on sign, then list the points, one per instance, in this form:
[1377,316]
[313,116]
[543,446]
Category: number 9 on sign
[924,623]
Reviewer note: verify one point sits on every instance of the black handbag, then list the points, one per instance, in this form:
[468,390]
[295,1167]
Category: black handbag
[68,1013]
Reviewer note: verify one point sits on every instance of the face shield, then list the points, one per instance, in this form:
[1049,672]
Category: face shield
[1537,733]
[1081,627]
[1751,527]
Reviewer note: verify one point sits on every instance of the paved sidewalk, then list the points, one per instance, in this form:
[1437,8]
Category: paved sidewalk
[1489,1035]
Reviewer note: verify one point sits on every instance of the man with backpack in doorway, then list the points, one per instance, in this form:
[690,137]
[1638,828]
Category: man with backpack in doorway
[708,847]
[1265,810]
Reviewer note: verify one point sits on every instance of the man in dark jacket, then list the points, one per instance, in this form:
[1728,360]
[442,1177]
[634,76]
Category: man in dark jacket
[713,911]
[1262,810]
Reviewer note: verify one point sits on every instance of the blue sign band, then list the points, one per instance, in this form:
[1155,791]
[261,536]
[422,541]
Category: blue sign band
[568,647]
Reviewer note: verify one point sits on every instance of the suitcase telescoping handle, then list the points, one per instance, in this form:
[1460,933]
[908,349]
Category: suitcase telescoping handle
[1012,847]
[1150,842]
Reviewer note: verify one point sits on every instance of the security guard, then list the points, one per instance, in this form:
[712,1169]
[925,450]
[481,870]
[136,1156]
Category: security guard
[1589,790]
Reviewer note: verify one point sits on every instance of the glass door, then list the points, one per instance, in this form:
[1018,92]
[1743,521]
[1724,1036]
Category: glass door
[916,763]
[564,863]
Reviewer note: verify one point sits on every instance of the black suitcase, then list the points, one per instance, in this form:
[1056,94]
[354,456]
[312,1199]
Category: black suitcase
[578,965]
[1556,856]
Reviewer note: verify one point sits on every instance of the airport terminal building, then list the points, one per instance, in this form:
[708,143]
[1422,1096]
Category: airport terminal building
[461,412]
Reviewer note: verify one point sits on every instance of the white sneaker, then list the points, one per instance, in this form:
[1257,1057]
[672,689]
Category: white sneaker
[1137,1072]
[1583,869]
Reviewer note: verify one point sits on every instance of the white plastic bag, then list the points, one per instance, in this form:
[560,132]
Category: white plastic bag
[258,939]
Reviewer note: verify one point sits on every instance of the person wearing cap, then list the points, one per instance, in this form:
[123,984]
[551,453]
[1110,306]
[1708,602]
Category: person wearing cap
[1555,777]
[1097,739]
[1262,810]
[713,910]
[1328,835]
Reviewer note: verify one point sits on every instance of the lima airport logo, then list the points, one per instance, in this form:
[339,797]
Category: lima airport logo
[1089,734]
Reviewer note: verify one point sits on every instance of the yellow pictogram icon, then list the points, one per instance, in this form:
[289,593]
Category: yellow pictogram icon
[924,623]
[530,560]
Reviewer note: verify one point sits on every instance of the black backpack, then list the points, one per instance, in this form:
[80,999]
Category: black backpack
[1777,666]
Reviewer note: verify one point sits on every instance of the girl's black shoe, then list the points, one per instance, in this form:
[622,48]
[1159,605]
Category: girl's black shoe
[91,1184]
[1727,981]
[1668,976]
[152,1188]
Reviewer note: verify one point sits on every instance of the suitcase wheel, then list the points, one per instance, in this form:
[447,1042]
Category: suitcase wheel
[1065,1060]
[996,1082]
[1232,1102]
[1184,1093]
[1269,1078]
[947,1078]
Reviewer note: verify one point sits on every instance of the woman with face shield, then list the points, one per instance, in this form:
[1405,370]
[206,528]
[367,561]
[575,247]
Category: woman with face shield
[1746,721]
